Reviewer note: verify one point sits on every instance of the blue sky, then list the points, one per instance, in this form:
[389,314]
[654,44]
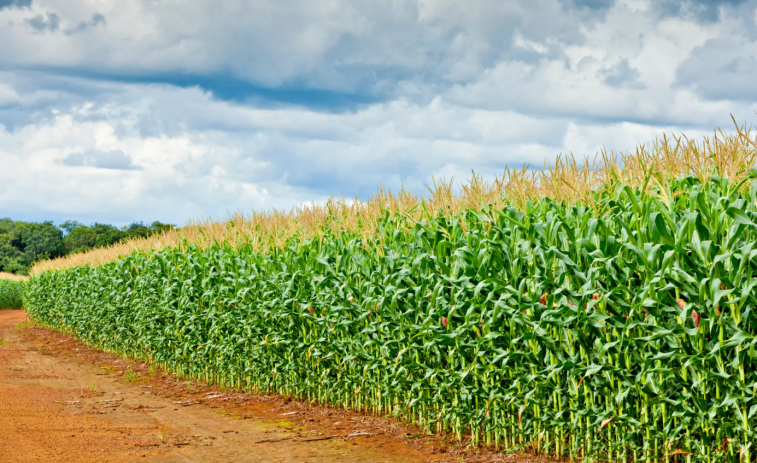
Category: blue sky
[128,110]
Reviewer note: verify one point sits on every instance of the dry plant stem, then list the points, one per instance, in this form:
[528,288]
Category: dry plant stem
[11,276]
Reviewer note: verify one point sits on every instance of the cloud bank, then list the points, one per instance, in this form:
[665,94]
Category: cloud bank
[142,110]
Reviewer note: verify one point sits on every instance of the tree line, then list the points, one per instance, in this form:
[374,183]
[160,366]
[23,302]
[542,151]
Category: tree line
[24,243]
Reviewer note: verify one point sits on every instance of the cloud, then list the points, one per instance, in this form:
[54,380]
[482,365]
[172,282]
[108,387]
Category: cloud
[722,68]
[8,95]
[700,10]
[378,51]
[15,3]
[97,19]
[622,75]
[114,159]
[592,4]
[49,22]
[208,157]
[179,177]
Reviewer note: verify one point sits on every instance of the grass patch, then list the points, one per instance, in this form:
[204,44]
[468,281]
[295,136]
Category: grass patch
[131,375]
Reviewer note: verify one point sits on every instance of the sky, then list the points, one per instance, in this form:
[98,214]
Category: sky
[138,110]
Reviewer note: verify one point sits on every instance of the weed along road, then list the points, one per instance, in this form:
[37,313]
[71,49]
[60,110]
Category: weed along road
[63,402]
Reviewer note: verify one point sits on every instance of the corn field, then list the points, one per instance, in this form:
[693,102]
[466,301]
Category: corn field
[11,292]
[587,312]
[621,331]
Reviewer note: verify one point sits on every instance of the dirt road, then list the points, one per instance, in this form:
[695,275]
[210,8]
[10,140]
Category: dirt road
[63,402]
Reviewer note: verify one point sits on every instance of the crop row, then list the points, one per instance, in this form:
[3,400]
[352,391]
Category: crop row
[617,330]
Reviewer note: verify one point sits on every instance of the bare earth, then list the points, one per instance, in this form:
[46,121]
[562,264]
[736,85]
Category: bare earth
[63,402]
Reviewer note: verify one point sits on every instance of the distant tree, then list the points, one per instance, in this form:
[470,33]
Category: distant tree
[10,256]
[37,241]
[80,239]
[24,243]
[137,230]
[158,227]
[69,225]
[107,234]
[6,226]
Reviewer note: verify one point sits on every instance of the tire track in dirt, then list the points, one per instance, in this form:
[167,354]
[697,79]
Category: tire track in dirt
[62,401]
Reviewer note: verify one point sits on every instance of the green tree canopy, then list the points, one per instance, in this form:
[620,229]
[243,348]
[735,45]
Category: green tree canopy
[24,243]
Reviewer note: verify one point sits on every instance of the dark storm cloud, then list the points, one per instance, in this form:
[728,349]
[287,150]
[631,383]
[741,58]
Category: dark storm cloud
[115,159]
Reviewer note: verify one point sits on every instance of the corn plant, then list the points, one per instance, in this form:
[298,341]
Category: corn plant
[624,329]
[11,293]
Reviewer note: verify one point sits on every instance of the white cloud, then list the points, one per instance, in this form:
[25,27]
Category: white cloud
[227,157]
[8,95]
